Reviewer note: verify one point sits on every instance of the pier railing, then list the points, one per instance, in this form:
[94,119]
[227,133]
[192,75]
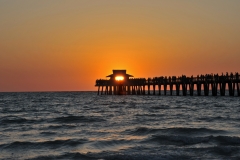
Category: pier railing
[213,83]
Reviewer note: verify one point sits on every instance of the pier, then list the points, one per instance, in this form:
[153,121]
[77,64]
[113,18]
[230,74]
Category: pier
[121,83]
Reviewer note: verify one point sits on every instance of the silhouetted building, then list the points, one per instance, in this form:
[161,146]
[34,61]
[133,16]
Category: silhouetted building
[119,76]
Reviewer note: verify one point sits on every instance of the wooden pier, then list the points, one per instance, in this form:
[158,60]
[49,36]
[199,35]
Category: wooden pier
[120,83]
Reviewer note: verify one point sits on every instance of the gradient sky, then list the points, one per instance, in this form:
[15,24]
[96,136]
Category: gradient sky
[65,45]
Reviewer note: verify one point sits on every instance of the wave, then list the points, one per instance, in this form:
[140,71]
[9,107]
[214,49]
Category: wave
[227,140]
[216,152]
[190,140]
[77,119]
[148,115]
[178,140]
[173,131]
[46,144]
[15,120]
[160,107]
[48,133]
[65,156]
[111,143]
[226,150]
[217,118]
[219,151]
[192,131]
[220,105]
[140,131]
[145,157]
[60,126]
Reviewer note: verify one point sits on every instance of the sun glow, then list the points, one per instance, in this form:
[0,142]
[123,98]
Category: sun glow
[119,78]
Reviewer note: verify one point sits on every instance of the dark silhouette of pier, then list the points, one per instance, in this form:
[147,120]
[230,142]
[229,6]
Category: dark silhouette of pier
[181,85]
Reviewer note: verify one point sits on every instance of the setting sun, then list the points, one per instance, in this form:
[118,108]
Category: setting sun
[119,78]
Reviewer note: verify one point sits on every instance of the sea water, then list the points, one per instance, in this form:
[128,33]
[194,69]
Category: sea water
[84,125]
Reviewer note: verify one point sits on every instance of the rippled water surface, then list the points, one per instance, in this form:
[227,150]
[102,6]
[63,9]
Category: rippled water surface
[83,125]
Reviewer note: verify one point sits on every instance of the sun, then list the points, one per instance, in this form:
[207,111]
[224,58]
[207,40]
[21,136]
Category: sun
[119,78]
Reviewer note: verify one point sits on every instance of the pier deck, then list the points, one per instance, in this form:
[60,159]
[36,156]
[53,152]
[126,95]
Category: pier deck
[182,85]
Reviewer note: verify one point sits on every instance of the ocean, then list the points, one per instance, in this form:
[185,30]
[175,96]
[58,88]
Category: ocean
[84,125]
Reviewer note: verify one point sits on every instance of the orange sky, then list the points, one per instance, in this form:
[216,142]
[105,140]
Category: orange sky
[63,45]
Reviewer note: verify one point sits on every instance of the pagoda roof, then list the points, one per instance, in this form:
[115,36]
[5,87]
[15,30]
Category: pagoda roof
[119,72]
[111,75]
